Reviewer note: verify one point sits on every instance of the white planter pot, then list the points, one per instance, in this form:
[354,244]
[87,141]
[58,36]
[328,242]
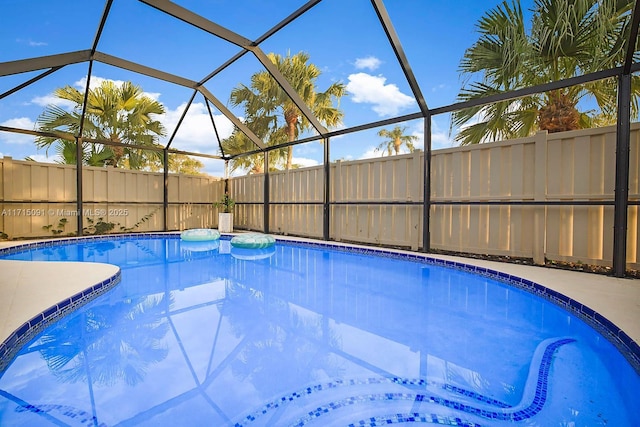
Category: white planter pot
[225,222]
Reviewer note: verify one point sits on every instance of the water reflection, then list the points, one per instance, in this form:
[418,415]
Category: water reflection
[107,343]
[205,246]
[252,254]
[246,330]
[281,343]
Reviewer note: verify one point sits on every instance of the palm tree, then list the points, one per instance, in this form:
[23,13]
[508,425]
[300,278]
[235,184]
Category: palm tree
[275,112]
[114,113]
[395,139]
[178,163]
[106,344]
[93,155]
[567,38]
[239,143]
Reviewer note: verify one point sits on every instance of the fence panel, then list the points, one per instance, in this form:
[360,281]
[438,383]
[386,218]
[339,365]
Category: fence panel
[564,167]
[38,200]
[387,179]
[248,192]
[500,172]
[302,186]
[36,197]
[581,166]
[191,199]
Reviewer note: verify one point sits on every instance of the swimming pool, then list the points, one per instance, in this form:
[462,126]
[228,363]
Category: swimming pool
[309,334]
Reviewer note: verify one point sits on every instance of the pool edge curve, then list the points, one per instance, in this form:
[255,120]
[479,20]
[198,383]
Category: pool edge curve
[629,348]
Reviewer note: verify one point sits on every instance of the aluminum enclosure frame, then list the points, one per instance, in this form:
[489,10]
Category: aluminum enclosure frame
[53,63]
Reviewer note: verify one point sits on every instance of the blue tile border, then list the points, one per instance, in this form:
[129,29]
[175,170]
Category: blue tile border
[490,409]
[61,241]
[623,342]
[10,347]
[82,417]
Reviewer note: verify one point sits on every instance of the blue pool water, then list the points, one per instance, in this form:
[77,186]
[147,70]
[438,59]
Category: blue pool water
[304,335]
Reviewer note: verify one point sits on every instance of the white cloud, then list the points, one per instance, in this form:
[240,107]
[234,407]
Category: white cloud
[370,63]
[17,138]
[439,137]
[51,99]
[212,167]
[373,152]
[441,140]
[196,132]
[43,158]
[370,153]
[20,122]
[97,82]
[304,162]
[387,99]
[438,87]
[31,42]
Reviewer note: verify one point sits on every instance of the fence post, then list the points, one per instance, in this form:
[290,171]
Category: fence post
[79,178]
[426,187]
[7,177]
[621,196]
[266,191]
[540,195]
[7,191]
[338,218]
[414,195]
[326,203]
[165,190]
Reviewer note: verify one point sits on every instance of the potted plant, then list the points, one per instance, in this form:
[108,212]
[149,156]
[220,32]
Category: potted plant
[225,216]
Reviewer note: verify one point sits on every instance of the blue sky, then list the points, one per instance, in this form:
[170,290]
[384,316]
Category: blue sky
[343,38]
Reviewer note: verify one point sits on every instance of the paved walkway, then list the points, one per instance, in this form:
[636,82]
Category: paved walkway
[28,288]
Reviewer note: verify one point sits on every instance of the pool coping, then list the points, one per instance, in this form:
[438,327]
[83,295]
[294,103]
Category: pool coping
[10,347]
[613,333]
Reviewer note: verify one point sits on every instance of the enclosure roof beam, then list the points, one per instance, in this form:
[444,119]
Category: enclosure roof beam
[204,24]
[338,132]
[182,116]
[103,20]
[286,86]
[236,121]
[42,62]
[30,81]
[390,31]
[532,90]
[263,37]
[141,69]
[586,78]
[286,21]
[70,137]
[213,123]
[59,135]
[192,153]
[198,21]
[633,37]
[122,144]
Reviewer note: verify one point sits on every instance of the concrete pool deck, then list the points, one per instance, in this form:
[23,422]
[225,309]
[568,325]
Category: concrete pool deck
[51,282]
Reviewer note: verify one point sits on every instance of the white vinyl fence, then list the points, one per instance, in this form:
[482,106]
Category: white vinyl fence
[576,166]
[37,195]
